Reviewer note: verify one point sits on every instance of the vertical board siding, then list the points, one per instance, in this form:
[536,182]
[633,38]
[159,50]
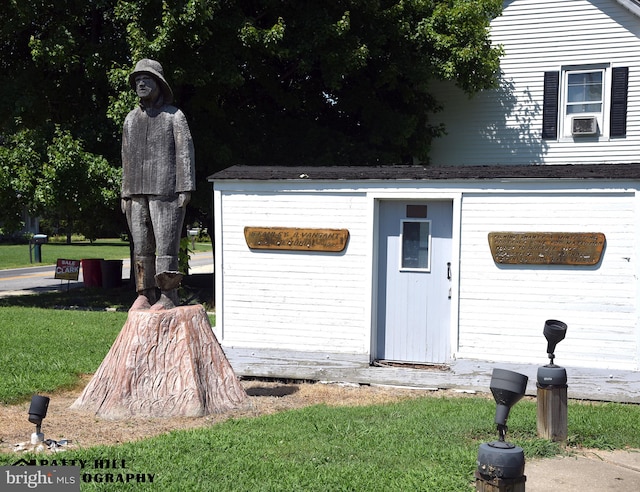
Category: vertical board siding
[503,307]
[504,126]
[313,301]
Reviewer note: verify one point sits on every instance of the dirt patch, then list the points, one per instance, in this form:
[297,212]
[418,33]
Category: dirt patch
[266,397]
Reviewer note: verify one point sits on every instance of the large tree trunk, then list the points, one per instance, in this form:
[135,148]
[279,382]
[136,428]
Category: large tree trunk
[164,364]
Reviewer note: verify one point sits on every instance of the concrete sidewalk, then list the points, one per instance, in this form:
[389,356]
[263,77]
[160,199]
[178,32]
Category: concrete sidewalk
[585,471]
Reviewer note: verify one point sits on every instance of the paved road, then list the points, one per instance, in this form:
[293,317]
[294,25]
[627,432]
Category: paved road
[36,279]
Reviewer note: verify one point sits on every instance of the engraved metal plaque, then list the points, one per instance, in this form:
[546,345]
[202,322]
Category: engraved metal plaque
[546,248]
[296,239]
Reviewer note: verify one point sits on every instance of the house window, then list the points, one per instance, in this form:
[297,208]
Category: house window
[584,92]
[415,245]
[585,101]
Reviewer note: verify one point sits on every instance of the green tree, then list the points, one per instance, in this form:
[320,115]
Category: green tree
[76,187]
[261,81]
[316,82]
[20,162]
[54,58]
[54,62]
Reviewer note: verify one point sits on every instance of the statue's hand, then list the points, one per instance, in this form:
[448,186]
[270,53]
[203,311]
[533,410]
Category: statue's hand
[124,204]
[183,199]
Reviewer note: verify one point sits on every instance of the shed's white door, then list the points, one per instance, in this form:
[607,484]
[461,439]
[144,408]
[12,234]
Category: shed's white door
[414,281]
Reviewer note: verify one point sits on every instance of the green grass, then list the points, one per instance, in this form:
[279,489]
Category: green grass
[427,444]
[17,255]
[45,349]
[50,339]
[417,445]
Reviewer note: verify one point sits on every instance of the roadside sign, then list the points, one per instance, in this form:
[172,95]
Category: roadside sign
[67,269]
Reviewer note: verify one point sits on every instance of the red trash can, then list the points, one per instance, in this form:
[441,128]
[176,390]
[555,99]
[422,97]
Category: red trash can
[92,272]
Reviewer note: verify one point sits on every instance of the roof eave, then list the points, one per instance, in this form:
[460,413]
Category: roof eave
[631,5]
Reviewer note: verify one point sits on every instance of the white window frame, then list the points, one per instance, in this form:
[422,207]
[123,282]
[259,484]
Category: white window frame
[401,248]
[564,131]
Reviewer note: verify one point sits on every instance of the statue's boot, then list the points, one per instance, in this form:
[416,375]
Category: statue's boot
[144,269]
[168,282]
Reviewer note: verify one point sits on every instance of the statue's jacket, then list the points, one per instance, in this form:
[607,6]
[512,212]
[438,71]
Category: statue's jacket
[157,153]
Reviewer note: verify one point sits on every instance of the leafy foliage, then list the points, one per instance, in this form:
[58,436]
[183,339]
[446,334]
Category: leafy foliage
[261,81]
[77,183]
[316,83]
[20,161]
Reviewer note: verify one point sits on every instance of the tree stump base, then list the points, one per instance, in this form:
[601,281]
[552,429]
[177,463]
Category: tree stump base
[164,364]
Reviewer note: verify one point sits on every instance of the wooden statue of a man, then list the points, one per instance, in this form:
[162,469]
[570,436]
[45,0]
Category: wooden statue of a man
[158,178]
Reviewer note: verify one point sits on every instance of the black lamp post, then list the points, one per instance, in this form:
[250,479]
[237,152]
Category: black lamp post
[500,463]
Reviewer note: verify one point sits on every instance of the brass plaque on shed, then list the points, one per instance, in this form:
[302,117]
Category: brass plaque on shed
[546,248]
[296,239]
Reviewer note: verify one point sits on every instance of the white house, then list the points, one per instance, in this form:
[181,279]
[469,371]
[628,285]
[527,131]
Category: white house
[529,210]
[570,75]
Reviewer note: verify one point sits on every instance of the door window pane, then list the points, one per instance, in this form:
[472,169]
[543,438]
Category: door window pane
[415,244]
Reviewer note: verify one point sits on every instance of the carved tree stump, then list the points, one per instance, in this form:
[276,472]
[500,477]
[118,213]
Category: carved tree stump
[163,364]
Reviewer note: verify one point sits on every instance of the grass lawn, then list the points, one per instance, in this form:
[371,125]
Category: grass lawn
[17,255]
[428,444]
[45,349]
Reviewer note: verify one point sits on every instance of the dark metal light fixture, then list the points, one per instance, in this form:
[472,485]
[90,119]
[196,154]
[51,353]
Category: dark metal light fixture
[500,460]
[37,413]
[551,374]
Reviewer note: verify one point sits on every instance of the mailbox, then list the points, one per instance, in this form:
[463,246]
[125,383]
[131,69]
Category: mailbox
[35,245]
[193,234]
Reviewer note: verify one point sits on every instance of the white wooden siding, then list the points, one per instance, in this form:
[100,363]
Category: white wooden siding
[503,308]
[323,301]
[504,126]
[295,300]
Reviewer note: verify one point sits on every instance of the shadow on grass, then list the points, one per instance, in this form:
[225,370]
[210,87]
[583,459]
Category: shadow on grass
[97,299]
[196,289]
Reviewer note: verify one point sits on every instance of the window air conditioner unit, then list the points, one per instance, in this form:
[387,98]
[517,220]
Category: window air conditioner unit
[584,125]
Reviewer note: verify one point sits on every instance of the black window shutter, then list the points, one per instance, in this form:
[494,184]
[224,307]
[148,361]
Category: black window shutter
[619,88]
[550,105]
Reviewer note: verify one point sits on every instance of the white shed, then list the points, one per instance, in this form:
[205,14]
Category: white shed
[533,216]
[417,281]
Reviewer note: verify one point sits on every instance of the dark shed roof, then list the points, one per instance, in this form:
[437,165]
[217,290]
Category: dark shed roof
[575,171]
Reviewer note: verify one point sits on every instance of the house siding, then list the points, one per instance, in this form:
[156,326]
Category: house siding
[290,299]
[503,307]
[504,126]
[326,302]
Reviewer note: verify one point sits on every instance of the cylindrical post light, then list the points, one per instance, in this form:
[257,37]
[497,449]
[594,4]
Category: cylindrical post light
[552,388]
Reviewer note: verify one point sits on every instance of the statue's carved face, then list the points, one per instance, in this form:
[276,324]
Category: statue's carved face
[146,87]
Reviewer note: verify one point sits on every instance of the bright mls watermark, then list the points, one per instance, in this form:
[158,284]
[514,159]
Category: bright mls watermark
[51,479]
[47,473]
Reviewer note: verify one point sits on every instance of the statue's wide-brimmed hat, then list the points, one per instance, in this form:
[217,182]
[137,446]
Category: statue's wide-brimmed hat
[153,68]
